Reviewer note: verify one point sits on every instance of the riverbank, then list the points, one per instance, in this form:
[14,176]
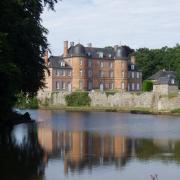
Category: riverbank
[111,109]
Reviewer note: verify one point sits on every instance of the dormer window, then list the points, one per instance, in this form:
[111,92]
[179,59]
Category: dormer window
[110,55]
[132,66]
[172,81]
[100,54]
[62,63]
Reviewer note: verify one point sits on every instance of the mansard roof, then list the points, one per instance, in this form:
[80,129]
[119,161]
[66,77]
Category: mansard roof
[57,62]
[117,52]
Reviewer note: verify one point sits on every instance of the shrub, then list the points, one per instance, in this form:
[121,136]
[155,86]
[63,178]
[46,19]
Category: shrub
[147,85]
[78,99]
[25,102]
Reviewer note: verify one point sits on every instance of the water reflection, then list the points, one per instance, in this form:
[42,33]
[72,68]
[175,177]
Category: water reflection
[23,160]
[64,145]
[84,150]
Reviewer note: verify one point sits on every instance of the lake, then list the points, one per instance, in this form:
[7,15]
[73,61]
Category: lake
[92,146]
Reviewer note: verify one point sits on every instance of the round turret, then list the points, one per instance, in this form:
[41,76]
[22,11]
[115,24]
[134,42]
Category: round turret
[79,50]
[121,53]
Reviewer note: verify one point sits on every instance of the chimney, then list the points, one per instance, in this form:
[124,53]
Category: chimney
[72,43]
[65,48]
[133,60]
[46,57]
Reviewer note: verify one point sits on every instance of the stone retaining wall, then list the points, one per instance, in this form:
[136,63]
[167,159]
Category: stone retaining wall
[148,100]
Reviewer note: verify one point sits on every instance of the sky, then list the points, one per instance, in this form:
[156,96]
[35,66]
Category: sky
[136,23]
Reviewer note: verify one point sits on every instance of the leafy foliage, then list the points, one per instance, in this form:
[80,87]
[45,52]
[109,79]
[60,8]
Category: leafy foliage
[22,44]
[78,99]
[152,60]
[25,101]
[147,85]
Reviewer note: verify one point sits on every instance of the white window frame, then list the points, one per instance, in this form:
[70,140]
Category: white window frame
[57,85]
[137,75]
[132,74]
[132,86]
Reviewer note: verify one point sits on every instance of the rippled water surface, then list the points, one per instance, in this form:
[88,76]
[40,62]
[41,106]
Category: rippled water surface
[92,146]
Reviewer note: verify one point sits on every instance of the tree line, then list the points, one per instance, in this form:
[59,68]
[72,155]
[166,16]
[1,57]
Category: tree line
[152,60]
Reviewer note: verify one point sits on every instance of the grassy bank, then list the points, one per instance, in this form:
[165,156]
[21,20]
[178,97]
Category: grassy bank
[109,109]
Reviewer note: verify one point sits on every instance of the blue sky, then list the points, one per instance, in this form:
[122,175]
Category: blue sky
[137,23]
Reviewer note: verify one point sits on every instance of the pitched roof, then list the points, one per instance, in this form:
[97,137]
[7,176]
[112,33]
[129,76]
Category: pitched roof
[162,73]
[164,77]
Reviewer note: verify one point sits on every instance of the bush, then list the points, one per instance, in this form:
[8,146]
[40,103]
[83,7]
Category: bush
[78,99]
[147,85]
[26,102]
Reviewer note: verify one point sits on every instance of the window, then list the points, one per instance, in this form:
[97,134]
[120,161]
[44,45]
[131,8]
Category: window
[64,72]
[123,74]
[101,64]
[138,87]
[172,81]
[101,73]
[57,72]
[110,64]
[132,66]
[63,85]
[111,85]
[62,63]
[133,86]
[137,74]
[61,72]
[89,63]
[123,85]
[81,72]
[80,85]
[100,54]
[57,85]
[110,55]
[89,85]
[69,72]
[89,73]
[111,74]
[132,74]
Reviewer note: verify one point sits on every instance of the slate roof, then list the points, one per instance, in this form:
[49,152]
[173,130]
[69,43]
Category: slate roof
[93,52]
[55,62]
[163,77]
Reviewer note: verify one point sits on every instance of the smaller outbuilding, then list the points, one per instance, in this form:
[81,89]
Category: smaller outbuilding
[164,82]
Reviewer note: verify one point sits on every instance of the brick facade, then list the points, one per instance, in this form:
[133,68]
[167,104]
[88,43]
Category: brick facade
[87,68]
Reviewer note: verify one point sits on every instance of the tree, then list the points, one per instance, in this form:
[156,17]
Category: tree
[22,45]
[152,60]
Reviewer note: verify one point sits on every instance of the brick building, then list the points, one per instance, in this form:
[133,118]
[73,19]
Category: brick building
[88,68]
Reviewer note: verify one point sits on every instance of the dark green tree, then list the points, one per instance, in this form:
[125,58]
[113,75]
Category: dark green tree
[152,60]
[22,45]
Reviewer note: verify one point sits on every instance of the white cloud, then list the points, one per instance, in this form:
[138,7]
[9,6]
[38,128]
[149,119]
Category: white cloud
[137,23]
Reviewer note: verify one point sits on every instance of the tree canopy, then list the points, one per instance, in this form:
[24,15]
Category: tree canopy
[152,60]
[22,44]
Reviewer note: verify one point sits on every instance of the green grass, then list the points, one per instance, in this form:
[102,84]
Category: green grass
[176,110]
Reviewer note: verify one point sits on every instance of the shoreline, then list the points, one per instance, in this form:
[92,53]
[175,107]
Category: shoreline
[108,109]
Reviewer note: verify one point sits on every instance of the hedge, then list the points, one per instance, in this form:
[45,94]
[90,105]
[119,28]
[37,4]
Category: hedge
[78,99]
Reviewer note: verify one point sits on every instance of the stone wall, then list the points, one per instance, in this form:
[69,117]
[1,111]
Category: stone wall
[126,100]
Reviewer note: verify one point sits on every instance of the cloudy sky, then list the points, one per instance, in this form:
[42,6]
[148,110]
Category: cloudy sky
[137,23]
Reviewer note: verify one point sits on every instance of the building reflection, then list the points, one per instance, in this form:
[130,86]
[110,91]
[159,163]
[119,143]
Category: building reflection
[81,149]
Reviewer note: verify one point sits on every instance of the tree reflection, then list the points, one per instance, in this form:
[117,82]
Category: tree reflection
[21,161]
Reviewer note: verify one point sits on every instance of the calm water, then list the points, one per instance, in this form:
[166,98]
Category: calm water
[92,146]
